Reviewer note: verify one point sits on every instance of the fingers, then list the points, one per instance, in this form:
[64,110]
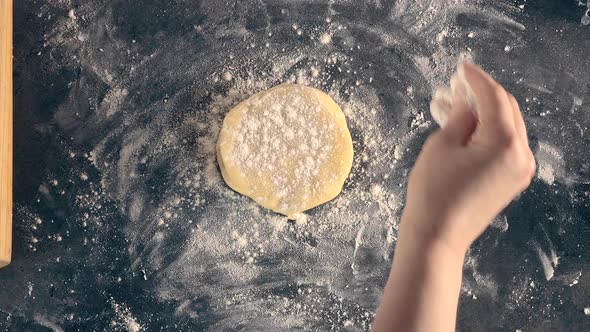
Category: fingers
[460,125]
[518,120]
[440,106]
[522,134]
[496,117]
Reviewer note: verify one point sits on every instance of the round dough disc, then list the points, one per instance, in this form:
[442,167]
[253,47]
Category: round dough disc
[288,148]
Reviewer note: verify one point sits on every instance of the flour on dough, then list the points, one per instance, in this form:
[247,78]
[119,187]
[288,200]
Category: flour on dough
[288,148]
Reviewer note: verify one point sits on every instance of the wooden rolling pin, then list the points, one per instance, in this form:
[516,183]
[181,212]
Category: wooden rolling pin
[5,132]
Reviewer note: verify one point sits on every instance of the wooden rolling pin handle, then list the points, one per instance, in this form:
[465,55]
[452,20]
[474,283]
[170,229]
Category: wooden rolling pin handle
[5,132]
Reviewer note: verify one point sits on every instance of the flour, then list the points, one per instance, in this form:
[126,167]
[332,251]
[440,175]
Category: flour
[125,319]
[157,103]
[45,322]
[255,235]
[445,99]
[546,263]
[275,141]
[325,39]
[287,148]
[586,17]
[546,173]
[550,163]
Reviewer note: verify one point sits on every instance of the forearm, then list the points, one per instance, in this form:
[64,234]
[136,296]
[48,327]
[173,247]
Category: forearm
[465,174]
[422,291]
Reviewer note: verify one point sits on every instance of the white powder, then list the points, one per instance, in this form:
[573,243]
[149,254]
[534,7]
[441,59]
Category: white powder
[325,38]
[546,173]
[376,191]
[124,318]
[301,219]
[113,101]
[548,269]
[315,72]
[44,321]
[265,138]
[233,252]
[550,163]
[245,234]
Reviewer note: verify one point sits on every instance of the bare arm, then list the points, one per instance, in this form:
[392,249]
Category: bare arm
[465,175]
[423,287]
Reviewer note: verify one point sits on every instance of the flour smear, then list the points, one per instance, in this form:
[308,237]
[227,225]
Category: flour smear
[157,102]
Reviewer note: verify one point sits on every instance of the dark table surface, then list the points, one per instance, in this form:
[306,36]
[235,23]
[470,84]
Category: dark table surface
[121,221]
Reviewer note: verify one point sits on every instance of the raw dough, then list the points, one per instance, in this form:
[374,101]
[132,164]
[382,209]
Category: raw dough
[288,148]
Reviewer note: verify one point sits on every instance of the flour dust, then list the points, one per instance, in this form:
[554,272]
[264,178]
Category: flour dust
[148,107]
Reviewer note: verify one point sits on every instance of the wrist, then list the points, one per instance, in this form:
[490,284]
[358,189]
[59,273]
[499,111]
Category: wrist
[432,235]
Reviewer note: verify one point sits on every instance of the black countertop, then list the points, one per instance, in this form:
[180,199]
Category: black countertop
[121,221]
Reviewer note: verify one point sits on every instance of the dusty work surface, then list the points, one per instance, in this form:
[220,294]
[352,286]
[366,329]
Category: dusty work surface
[123,223]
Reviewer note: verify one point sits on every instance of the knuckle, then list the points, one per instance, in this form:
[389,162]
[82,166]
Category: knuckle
[516,160]
[507,159]
[499,92]
[525,167]
[531,173]
[522,162]
[532,165]
[526,182]
[507,140]
[511,97]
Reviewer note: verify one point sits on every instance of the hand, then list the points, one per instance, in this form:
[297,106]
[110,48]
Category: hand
[471,169]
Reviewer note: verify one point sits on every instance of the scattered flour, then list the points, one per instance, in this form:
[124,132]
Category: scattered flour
[124,318]
[550,163]
[157,161]
[546,263]
[325,38]
[44,321]
[546,173]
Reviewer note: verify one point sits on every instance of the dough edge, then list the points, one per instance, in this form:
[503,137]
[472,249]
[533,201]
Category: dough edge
[329,192]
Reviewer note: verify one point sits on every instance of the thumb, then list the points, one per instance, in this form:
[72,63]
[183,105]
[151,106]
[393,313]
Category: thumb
[460,126]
